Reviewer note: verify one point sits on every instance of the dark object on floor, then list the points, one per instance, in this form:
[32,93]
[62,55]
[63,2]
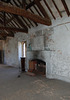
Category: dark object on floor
[18,76]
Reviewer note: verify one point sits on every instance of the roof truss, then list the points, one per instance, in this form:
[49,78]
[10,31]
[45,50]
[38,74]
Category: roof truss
[22,12]
[19,15]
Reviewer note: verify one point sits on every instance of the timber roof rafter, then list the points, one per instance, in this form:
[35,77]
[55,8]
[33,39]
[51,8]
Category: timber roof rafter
[20,15]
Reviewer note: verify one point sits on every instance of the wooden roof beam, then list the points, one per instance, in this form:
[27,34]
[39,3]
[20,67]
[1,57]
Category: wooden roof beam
[66,7]
[1,21]
[13,29]
[41,9]
[49,9]
[57,8]
[20,22]
[31,4]
[31,11]
[15,3]
[17,18]
[12,24]
[9,20]
[36,9]
[4,18]
[22,12]
[30,22]
[25,22]
[23,4]
[5,34]
[33,21]
[2,38]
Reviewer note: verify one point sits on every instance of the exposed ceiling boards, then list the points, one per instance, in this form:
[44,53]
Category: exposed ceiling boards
[45,11]
[53,8]
[46,8]
[59,5]
[68,3]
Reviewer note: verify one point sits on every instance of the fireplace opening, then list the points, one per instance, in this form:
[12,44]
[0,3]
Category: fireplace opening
[37,66]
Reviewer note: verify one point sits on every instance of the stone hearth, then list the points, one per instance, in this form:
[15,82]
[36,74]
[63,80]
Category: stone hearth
[42,55]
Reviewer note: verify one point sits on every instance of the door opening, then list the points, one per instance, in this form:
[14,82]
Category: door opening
[24,49]
[22,54]
[21,49]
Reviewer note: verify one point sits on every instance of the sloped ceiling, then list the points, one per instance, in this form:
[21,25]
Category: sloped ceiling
[47,10]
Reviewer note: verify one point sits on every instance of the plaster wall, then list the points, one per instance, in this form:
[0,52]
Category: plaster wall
[60,59]
[54,50]
[11,49]
[57,42]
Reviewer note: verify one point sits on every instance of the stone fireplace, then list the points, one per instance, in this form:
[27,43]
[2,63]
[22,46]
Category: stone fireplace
[37,66]
[43,56]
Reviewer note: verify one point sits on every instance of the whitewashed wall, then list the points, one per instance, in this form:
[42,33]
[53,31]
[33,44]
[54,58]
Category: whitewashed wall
[11,49]
[60,59]
[56,40]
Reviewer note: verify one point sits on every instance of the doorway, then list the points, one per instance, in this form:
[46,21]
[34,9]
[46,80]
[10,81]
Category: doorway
[22,49]
[1,56]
